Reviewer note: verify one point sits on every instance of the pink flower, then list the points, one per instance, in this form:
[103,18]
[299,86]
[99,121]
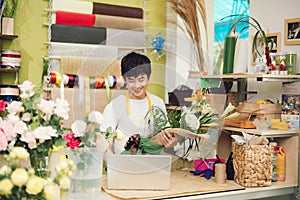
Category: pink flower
[45,133]
[26,89]
[26,117]
[3,141]
[29,138]
[72,141]
[7,129]
[2,105]
[46,106]
[62,108]
[15,107]
[20,127]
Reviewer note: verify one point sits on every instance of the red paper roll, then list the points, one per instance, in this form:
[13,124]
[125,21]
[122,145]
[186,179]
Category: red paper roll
[76,19]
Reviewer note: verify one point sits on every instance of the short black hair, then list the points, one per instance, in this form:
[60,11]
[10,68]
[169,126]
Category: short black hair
[135,64]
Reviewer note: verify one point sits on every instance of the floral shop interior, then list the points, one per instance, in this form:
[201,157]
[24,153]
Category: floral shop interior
[149,99]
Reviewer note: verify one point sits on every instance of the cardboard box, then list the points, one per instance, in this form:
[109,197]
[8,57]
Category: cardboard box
[271,111]
[292,120]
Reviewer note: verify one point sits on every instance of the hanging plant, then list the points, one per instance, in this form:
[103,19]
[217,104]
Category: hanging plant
[10,8]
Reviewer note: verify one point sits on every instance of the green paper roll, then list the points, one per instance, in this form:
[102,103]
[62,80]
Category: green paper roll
[229,51]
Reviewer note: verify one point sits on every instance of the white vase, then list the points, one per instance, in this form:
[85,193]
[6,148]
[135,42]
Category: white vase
[86,179]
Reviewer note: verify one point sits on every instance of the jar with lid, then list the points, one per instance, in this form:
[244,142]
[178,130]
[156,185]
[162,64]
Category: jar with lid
[291,62]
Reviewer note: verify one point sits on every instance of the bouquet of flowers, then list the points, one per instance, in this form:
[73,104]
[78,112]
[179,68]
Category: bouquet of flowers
[33,123]
[201,120]
[20,182]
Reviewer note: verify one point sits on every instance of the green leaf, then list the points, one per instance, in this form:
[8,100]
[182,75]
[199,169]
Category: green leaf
[80,166]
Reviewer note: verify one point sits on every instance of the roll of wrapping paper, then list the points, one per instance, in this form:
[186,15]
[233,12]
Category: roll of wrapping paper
[117,22]
[116,10]
[229,52]
[75,19]
[77,34]
[83,50]
[71,6]
[133,38]
[89,66]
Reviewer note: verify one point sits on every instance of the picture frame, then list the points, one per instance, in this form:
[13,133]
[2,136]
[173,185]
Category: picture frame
[273,43]
[292,31]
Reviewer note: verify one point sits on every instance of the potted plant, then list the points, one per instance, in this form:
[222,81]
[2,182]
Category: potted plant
[232,36]
[8,14]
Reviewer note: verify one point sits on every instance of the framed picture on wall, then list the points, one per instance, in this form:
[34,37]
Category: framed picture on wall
[292,31]
[273,43]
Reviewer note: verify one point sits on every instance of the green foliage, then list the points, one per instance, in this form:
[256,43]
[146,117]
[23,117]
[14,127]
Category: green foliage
[10,8]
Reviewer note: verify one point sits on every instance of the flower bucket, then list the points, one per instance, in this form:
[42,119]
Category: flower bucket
[87,178]
[229,52]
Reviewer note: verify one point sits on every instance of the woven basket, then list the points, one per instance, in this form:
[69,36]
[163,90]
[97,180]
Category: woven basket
[253,165]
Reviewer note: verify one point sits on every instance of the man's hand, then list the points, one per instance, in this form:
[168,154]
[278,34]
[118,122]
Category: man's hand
[166,139]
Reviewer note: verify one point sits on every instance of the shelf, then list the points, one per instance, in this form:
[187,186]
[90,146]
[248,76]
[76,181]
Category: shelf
[259,77]
[8,37]
[267,133]
[8,70]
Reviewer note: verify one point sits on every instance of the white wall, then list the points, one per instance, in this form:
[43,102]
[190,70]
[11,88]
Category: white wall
[271,15]
[180,57]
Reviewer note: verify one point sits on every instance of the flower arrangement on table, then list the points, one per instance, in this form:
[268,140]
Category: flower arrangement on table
[86,147]
[33,123]
[20,182]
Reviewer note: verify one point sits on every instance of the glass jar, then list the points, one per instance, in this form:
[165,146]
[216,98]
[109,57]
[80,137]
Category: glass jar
[291,62]
[280,58]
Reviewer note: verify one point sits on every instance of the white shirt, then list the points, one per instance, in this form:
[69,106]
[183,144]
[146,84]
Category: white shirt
[115,116]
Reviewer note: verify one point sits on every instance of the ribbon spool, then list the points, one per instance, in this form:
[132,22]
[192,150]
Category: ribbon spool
[9,92]
[99,83]
[220,173]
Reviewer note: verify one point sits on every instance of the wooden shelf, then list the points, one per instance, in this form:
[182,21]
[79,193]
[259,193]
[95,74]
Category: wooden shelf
[8,70]
[8,37]
[257,76]
[267,133]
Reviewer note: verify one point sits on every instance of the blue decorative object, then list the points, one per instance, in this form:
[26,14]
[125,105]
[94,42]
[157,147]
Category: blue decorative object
[158,43]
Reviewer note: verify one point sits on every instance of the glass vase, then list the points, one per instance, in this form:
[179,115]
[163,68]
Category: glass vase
[87,178]
[39,162]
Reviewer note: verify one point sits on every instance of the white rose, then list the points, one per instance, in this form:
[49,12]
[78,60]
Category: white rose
[96,117]
[19,177]
[78,127]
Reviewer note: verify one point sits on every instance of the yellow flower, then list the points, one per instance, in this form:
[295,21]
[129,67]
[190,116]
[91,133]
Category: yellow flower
[5,170]
[50,192]
[35,185]
[18,153]
[5,186]
[19,177]
[119,135]
[64,183]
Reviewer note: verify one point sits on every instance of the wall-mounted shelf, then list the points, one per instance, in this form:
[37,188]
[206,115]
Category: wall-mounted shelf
[8,37]
[16,71]
[241,79]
